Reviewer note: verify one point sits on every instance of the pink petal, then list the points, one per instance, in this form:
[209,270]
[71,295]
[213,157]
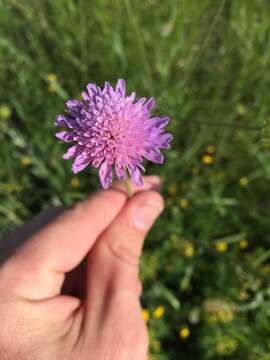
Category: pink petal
[80,163]
[72,152]
[61,121]
[149,104]
[120,171]
[121,87]
[165,139]
[131,97]
[105,174]
[64,136]
[160,122]
[135,175]
[92,89]
[85,96]
[154,156]
[107,88]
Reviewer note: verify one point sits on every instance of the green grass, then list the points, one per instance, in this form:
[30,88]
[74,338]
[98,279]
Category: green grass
[207,63]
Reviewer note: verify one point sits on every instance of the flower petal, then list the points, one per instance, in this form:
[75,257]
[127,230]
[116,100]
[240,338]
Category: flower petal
[135,175]
[74,105]
[120,170]
[160,122]
[92,89]
[131,97]
[105,174]
[107,89]
[165,140]
[154,156]
[80,163]
[97,161]
[61,121]
[85,96]
[72,152]
[64,136]
[121,87]
[150,104]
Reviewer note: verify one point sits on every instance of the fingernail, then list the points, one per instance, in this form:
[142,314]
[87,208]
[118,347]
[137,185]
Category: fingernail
[154,181]
[146,214]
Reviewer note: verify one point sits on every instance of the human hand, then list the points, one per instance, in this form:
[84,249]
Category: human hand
[50,311]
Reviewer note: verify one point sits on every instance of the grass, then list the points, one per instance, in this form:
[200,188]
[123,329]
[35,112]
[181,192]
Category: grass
[207,63]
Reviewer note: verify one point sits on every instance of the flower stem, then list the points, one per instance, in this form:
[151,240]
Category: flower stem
[128,188]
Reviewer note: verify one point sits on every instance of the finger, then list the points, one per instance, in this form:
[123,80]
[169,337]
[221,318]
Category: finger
[75,281]
[38,267]
[113,261]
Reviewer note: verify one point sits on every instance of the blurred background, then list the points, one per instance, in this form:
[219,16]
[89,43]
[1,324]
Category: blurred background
[206,264]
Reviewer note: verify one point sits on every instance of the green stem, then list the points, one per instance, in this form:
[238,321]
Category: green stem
[128,188]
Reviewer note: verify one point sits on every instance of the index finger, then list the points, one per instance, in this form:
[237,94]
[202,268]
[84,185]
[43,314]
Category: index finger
[37,269]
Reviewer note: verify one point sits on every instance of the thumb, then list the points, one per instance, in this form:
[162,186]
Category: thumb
[113,261]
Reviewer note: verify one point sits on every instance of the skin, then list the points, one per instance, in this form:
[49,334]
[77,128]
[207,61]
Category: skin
[71,290]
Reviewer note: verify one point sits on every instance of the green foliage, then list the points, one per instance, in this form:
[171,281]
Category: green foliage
[207,63]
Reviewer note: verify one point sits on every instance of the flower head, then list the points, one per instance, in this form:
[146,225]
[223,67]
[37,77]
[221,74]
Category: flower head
[207,159]
[110,129]
[159,311]
[221,246]
[145,315]
[184,332]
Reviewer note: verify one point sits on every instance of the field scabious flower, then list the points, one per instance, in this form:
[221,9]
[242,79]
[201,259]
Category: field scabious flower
[110,129]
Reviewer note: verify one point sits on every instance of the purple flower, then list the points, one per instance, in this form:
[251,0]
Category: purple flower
[112,129]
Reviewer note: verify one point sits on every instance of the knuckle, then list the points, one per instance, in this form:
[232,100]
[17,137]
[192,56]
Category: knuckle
[127,254]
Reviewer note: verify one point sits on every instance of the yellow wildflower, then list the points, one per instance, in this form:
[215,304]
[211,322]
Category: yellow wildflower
[221,246]
[5,112]
[243,244]
[145,315]
[25,160]
[243,181]
[183,203]
[211,149]
[159,312]
[207,159]
[51,88]
[74,182]
[184,332]
[189,250]
[51,77]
